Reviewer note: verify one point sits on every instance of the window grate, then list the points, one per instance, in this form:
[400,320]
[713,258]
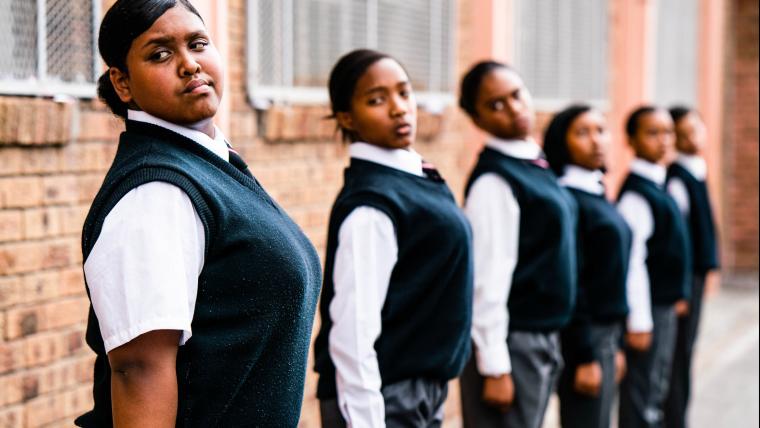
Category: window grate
[561,48]
[677,52]
[293,44]
[49,47]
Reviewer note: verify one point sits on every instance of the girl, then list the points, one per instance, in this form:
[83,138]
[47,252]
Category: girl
[659,270]
[396,304]
[575,143]
[202,289]
[524,245]
[687,185]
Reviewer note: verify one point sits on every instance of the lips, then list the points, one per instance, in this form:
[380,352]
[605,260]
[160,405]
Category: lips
[403,129]
[196,86]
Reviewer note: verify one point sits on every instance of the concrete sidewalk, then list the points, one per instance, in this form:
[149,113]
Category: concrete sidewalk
[726,374]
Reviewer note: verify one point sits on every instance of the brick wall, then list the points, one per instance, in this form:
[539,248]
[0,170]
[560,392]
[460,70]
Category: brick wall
[741,145]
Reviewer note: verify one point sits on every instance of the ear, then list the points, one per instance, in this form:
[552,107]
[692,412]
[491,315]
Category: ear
[120,82]
[345,120]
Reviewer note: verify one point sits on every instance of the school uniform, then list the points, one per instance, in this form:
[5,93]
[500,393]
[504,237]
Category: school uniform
[525,278]
[604,243]
[658,276]
[397,298]
[686,184]
[182,237]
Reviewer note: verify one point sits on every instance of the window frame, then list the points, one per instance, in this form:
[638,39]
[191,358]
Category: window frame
[262,97]
[40,84]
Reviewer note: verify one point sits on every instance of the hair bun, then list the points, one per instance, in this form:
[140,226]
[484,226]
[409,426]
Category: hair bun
[107,93]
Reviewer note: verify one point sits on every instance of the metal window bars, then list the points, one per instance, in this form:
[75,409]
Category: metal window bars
[49,47]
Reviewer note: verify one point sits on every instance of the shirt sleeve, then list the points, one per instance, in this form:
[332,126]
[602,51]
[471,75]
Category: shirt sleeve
[637,213]
[494,215]
[364,260]
[677,189]
[142,272]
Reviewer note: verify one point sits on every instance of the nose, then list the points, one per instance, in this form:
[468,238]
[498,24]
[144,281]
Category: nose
[399,106]
[514,106]
[188,65]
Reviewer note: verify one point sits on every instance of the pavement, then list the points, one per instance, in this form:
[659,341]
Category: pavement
[725,372]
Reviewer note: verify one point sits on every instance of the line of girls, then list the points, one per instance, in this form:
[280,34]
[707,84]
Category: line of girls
[203,291]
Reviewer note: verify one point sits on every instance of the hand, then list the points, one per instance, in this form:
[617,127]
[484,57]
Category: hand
[499,392]
[639,341]
[588,378]
[682,308]
[620,366]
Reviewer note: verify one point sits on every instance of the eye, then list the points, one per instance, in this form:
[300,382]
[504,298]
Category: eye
[375,101]
[160,55]
[198,45]
[497,105]
[405,93]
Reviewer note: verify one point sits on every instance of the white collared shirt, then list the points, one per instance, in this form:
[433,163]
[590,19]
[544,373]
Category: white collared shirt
[494,215]
[697,167]
[638,214]
[583,179]
[143,270]
[364,260]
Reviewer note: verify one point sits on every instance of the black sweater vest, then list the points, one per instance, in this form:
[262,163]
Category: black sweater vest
[604,246]
[428,307]
[544,281]
[700,221]
[668,256]
[257,292]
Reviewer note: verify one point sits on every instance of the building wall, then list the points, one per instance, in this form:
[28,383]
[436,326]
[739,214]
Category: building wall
[53,157]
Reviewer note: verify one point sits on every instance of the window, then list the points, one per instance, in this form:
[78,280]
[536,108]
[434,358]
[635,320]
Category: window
[561,49]
[676,57]
[293,44]
[48,47]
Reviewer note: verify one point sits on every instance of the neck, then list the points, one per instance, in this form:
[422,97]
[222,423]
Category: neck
[206,126]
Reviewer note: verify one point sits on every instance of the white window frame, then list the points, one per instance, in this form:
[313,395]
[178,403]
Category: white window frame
[40,84]
[263,97]
[552,103]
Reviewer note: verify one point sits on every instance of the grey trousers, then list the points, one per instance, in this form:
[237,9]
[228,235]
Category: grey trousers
[645,387]
[680,381]
[584,411]
[414,403]
[536,364]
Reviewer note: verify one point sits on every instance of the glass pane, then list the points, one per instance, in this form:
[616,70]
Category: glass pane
[70,40]
[18,30]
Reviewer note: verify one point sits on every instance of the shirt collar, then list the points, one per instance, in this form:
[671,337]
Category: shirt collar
[400,159]
[650,171]
[582,179]
[217,145]
[521,149]
[695,164]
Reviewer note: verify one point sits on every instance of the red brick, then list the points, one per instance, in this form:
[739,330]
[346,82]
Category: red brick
[10,393]
[60,189]
[42,160]
[23,321]
[20,257]
[71,281]
[10,159]
[98,126]
[11,225]
[42,223]
[88,186]
[45,409]
[39,287]
[10,292]
[11,356]
[43,348]
[72,218]
[63,313]
[20,192]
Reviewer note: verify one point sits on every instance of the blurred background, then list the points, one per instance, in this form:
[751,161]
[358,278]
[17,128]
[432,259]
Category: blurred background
[57,141]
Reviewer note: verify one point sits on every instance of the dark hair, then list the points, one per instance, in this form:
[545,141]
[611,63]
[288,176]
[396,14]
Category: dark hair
[343,78]
[121,25]
[678,112]
[555,137]
[632,124]
[468,91]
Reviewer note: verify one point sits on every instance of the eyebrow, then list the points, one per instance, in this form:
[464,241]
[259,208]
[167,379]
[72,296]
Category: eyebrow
[163,40]
[384,88]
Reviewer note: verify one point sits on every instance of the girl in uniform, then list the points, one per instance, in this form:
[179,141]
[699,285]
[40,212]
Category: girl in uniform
[524,247]
[575,142]
[397,296]
[659,274]
[202,289]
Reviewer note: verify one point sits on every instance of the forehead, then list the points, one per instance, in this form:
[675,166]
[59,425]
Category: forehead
[588,117]
[658,117]
[383,73]
[499,81]
[176,21]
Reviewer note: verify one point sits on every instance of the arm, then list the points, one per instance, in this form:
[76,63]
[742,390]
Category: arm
[144,380]
[638,215]
[494,214]
[364,260]
[142,276]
